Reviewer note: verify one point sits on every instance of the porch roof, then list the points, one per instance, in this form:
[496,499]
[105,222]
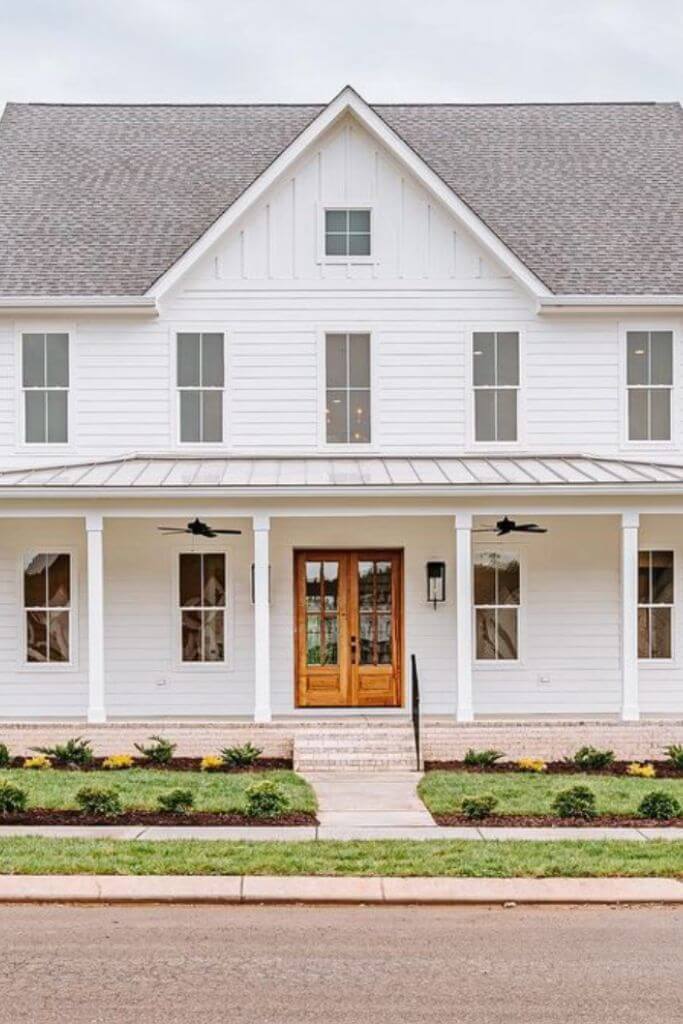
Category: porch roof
[161,474]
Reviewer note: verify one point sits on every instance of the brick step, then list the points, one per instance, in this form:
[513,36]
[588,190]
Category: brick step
[355,748]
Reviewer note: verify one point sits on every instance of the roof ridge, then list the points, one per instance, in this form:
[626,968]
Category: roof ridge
[323,103]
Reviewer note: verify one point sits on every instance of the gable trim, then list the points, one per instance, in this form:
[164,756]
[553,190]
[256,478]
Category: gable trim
[348,101]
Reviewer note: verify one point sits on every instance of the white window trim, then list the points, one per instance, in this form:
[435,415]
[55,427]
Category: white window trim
[471,439]
[199,446]
[504,664]
[228,665]
[351,204]
[663,662]
[47,447]
[625,328]
[23,664]
[359,447]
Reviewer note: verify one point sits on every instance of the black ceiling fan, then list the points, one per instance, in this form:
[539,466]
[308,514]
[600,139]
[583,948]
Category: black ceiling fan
[505,526]
[197,528]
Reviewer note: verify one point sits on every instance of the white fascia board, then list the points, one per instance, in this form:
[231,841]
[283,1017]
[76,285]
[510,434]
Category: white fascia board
[121,305]
[348,101]
[557,304]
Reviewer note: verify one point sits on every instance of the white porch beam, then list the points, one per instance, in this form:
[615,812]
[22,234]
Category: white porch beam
[630,705]
[463,615]
[96,705]
[262,696]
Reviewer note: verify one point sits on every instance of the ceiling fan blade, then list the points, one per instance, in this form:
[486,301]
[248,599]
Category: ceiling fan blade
[530,528]
[172,529]
[485,529]
[236,532]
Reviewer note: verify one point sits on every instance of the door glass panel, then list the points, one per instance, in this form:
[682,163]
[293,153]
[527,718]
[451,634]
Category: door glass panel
[322,605]
[313,640]
[383,586]
[313,572]
[384,646]
[365,584]
[330,585]
[375,607]
[331,637]
[366,638]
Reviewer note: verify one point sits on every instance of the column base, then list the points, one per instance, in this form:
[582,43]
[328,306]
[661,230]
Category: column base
[262,716]
[630,714]
[464,715]
[97,716]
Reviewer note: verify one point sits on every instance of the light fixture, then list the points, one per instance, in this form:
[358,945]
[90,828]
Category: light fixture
[436,582]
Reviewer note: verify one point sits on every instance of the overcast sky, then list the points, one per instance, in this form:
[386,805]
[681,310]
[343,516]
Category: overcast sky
[306,50]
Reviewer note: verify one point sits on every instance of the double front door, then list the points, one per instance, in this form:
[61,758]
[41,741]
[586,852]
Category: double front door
[348,628]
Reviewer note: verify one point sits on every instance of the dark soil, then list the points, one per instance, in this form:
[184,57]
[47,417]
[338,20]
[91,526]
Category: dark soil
[663,769]
[176,764]
[54,816]
[549,820]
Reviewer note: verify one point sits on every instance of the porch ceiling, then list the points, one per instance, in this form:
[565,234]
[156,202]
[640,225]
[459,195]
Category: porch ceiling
[473,474]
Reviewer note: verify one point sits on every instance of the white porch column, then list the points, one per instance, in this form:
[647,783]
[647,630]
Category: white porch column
[463,614]
[262,708]
[96,707]
[630,710]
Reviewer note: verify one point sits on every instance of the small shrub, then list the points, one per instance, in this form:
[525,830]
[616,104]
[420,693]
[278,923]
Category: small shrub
[674,755]
[240,757]
[479,807]
[265,799]
[38,763]
[482,758]
[116,762]
[575,802]
[177,801]
[12,798]
[590,759]
[160,750]
[5,759]
[659,805]
[97,800]
[641,771]
[212,763]
[531,764]
[75,753]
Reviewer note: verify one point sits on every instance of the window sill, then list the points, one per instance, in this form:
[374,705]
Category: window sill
[347,260]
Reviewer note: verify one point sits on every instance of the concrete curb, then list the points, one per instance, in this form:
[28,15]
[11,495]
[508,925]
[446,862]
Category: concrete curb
[321,890]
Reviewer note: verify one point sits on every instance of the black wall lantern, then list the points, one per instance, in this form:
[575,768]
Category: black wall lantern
[436,582]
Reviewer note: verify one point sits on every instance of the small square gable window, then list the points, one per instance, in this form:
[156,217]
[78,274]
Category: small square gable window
[347,232]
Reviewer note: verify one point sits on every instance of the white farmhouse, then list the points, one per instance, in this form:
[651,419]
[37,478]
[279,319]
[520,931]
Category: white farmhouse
[343,342]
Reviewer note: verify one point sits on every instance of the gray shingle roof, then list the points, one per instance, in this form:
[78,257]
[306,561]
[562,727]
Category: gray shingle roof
[103,199]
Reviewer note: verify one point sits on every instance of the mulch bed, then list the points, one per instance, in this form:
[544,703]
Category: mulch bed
[176,764]
[551,821]
[49,816]
[664,770]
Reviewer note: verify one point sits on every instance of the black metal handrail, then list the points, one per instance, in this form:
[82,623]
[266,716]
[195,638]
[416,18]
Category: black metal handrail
[416,708]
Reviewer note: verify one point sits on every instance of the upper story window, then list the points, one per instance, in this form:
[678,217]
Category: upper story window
[655,603]
[45,382]
[347,232]
[649,381]
[497,602]
[347,380]
[495,378]
[47,607]
[201,381]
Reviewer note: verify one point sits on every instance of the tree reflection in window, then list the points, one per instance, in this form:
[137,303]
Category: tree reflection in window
[47,604]
[496,599]
[202,607]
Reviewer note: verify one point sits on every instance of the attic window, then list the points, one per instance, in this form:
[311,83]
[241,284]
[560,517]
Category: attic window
[347,232]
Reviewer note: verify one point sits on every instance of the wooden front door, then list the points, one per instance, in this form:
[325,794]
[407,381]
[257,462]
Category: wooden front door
[349,628]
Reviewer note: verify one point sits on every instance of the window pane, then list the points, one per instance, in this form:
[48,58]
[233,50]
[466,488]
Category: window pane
[484,580]
[212,416]
[190,580]
[662,577]
[331,652]
[335,361]
[384,639]
[507,415]
[486,633]
[33,360]
[313,640]
[660,632]
[57,359]
[484,415]
[367,638]
[483,359]
[59,581]
[643,632]
[508,580]
[383,586]
[637,344]
[214,580]
[331,584]
[359,220]
[366,576]
[337,426]
[190,408]
[58,636]
[214,643]
[359,402]
[508,358]
[359,360]
[661,357]
[188,360]
[57,415]
[637,414]
[192,636]
[507,634]
[359,245]
[213,371]
[335,245]
[36,636]
[313,588]
[336,220]
[643,577]
[35,582]
[660,414]
[36,412]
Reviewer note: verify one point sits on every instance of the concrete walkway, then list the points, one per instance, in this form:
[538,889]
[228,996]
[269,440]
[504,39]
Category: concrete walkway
[369,804]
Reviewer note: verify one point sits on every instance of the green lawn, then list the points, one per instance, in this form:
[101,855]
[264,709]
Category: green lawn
[140,787]
[31,855]
[525,793]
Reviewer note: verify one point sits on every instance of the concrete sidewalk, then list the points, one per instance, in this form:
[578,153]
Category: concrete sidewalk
[316,890]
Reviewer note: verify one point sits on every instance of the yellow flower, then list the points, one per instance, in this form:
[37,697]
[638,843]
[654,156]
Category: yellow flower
[211,763]
[116,761]
[531,764]
[38,762]
[643,771]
